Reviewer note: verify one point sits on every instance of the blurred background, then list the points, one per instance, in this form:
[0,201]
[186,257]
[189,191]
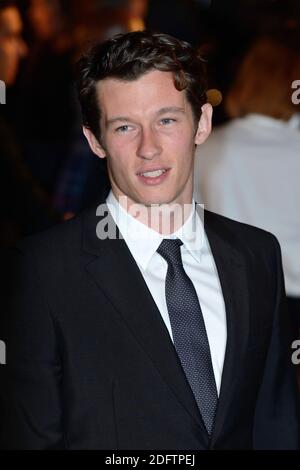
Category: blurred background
[250,168]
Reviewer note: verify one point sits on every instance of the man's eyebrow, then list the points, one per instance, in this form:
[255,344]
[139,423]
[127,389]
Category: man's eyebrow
[170,109]
[111,121]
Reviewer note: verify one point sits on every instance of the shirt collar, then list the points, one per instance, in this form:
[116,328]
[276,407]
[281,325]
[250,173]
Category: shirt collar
[143,241]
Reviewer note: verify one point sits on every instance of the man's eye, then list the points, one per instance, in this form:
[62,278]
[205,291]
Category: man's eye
[167,121]
[122,129]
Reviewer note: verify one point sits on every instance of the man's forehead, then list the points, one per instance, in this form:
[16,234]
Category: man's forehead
[154,85]
[150,75]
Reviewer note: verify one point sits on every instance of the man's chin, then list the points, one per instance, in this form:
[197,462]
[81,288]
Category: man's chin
[151,199]
[156,198]
[155,202]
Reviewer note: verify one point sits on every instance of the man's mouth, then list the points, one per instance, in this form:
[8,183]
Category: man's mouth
[153,176]
[153,173]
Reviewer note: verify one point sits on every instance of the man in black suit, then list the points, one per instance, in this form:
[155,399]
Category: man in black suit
[145,322]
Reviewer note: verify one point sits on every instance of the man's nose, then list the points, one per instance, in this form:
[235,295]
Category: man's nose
[149,145]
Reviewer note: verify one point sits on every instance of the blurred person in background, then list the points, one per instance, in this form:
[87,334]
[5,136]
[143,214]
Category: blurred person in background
[249,169]
[44,112]
[12,45]
[25,208]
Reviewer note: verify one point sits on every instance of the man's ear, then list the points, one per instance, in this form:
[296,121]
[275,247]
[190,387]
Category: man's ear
[94,143]
[204,124]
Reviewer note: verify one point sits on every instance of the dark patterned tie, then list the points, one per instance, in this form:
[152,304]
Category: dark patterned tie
[189,333]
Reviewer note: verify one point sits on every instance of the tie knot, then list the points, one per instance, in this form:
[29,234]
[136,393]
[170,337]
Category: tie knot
[169,249]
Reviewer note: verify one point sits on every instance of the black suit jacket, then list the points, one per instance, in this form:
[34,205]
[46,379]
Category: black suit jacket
[90,364]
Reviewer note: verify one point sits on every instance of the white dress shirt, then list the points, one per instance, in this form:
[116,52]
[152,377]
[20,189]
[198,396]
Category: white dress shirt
[249,170]
[198,263]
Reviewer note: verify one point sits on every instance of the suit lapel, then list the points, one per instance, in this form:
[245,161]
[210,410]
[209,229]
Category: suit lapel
[233,278]
[116,273]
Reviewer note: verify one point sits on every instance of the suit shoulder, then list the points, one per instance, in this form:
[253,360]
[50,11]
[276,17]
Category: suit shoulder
[245,233]
[64,236]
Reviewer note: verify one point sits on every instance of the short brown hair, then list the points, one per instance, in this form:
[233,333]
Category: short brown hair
[129,56]
[264,79]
